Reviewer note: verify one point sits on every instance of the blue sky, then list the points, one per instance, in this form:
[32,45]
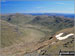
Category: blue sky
[37,7]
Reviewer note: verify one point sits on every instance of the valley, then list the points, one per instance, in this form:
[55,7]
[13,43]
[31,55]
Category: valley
[25,34]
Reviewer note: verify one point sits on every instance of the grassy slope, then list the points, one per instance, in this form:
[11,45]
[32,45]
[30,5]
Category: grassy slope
[55,48]
[11,34]
[65,45]
[53,23]
[18,19]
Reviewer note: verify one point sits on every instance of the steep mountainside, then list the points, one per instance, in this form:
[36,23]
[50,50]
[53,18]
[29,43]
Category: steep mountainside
[64,45]
[12,34]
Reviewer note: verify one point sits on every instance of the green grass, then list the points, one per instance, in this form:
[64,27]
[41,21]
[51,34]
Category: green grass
[10,34]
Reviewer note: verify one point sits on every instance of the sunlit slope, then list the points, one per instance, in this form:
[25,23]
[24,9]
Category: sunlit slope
[67,44]
[64,45]
[12,34]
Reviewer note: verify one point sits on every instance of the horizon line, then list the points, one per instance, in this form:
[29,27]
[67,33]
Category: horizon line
[36,13]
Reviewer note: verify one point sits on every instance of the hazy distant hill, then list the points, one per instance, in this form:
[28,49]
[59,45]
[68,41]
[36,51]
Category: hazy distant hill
[52,14]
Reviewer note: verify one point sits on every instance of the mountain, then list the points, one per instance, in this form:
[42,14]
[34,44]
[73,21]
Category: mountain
[12,34]
[47,24]
[54,23]
[17,18]
[30,33]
